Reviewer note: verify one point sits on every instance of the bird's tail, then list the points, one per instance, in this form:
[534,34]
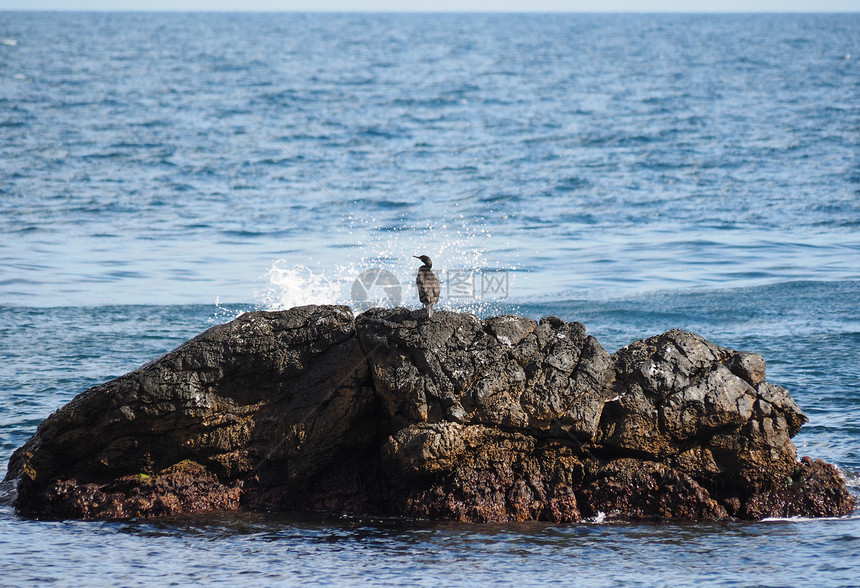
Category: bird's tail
[429,310]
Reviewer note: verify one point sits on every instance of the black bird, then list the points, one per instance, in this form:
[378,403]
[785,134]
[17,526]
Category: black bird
[428,285]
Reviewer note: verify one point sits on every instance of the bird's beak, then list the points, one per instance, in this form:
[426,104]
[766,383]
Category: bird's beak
[416,257]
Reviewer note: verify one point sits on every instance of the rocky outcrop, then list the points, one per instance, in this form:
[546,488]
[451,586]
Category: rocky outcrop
[451,417]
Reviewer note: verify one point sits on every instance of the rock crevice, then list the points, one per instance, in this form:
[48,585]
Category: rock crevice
[452,417]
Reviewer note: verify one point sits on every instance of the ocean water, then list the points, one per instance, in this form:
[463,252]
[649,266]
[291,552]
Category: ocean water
[161,173]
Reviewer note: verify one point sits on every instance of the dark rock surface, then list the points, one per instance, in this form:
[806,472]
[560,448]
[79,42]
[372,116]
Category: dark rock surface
[505,419]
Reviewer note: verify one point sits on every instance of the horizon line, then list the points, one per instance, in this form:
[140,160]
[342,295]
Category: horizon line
[371,11]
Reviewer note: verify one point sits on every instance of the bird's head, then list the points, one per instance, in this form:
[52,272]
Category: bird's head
[424,259]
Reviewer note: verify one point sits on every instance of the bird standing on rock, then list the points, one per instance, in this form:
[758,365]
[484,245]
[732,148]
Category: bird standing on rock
[428,284]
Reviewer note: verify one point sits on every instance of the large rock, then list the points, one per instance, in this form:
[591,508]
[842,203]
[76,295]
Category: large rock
[449,418]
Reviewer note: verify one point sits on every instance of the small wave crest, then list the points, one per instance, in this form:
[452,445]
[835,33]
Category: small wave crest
[852,480]
[794,519]
[799,519]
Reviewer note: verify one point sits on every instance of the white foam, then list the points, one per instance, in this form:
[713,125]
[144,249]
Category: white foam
[798,519]
[487,289]
[9,42]
[288,286]
[795,519]
[852,480]
[599,519]
[224,314]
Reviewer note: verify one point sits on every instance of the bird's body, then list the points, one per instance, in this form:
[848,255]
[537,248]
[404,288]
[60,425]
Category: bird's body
[428,285]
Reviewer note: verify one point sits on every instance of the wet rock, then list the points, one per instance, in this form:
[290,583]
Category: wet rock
[184,488]
[505,419]
[646,490]
[814,489]
[475,473]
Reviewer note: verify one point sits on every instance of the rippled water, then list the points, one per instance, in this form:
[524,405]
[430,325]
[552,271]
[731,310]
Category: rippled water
[600,151]
[225,550]
[160,173]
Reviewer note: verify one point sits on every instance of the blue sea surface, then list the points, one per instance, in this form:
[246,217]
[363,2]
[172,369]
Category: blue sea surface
[162,173]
